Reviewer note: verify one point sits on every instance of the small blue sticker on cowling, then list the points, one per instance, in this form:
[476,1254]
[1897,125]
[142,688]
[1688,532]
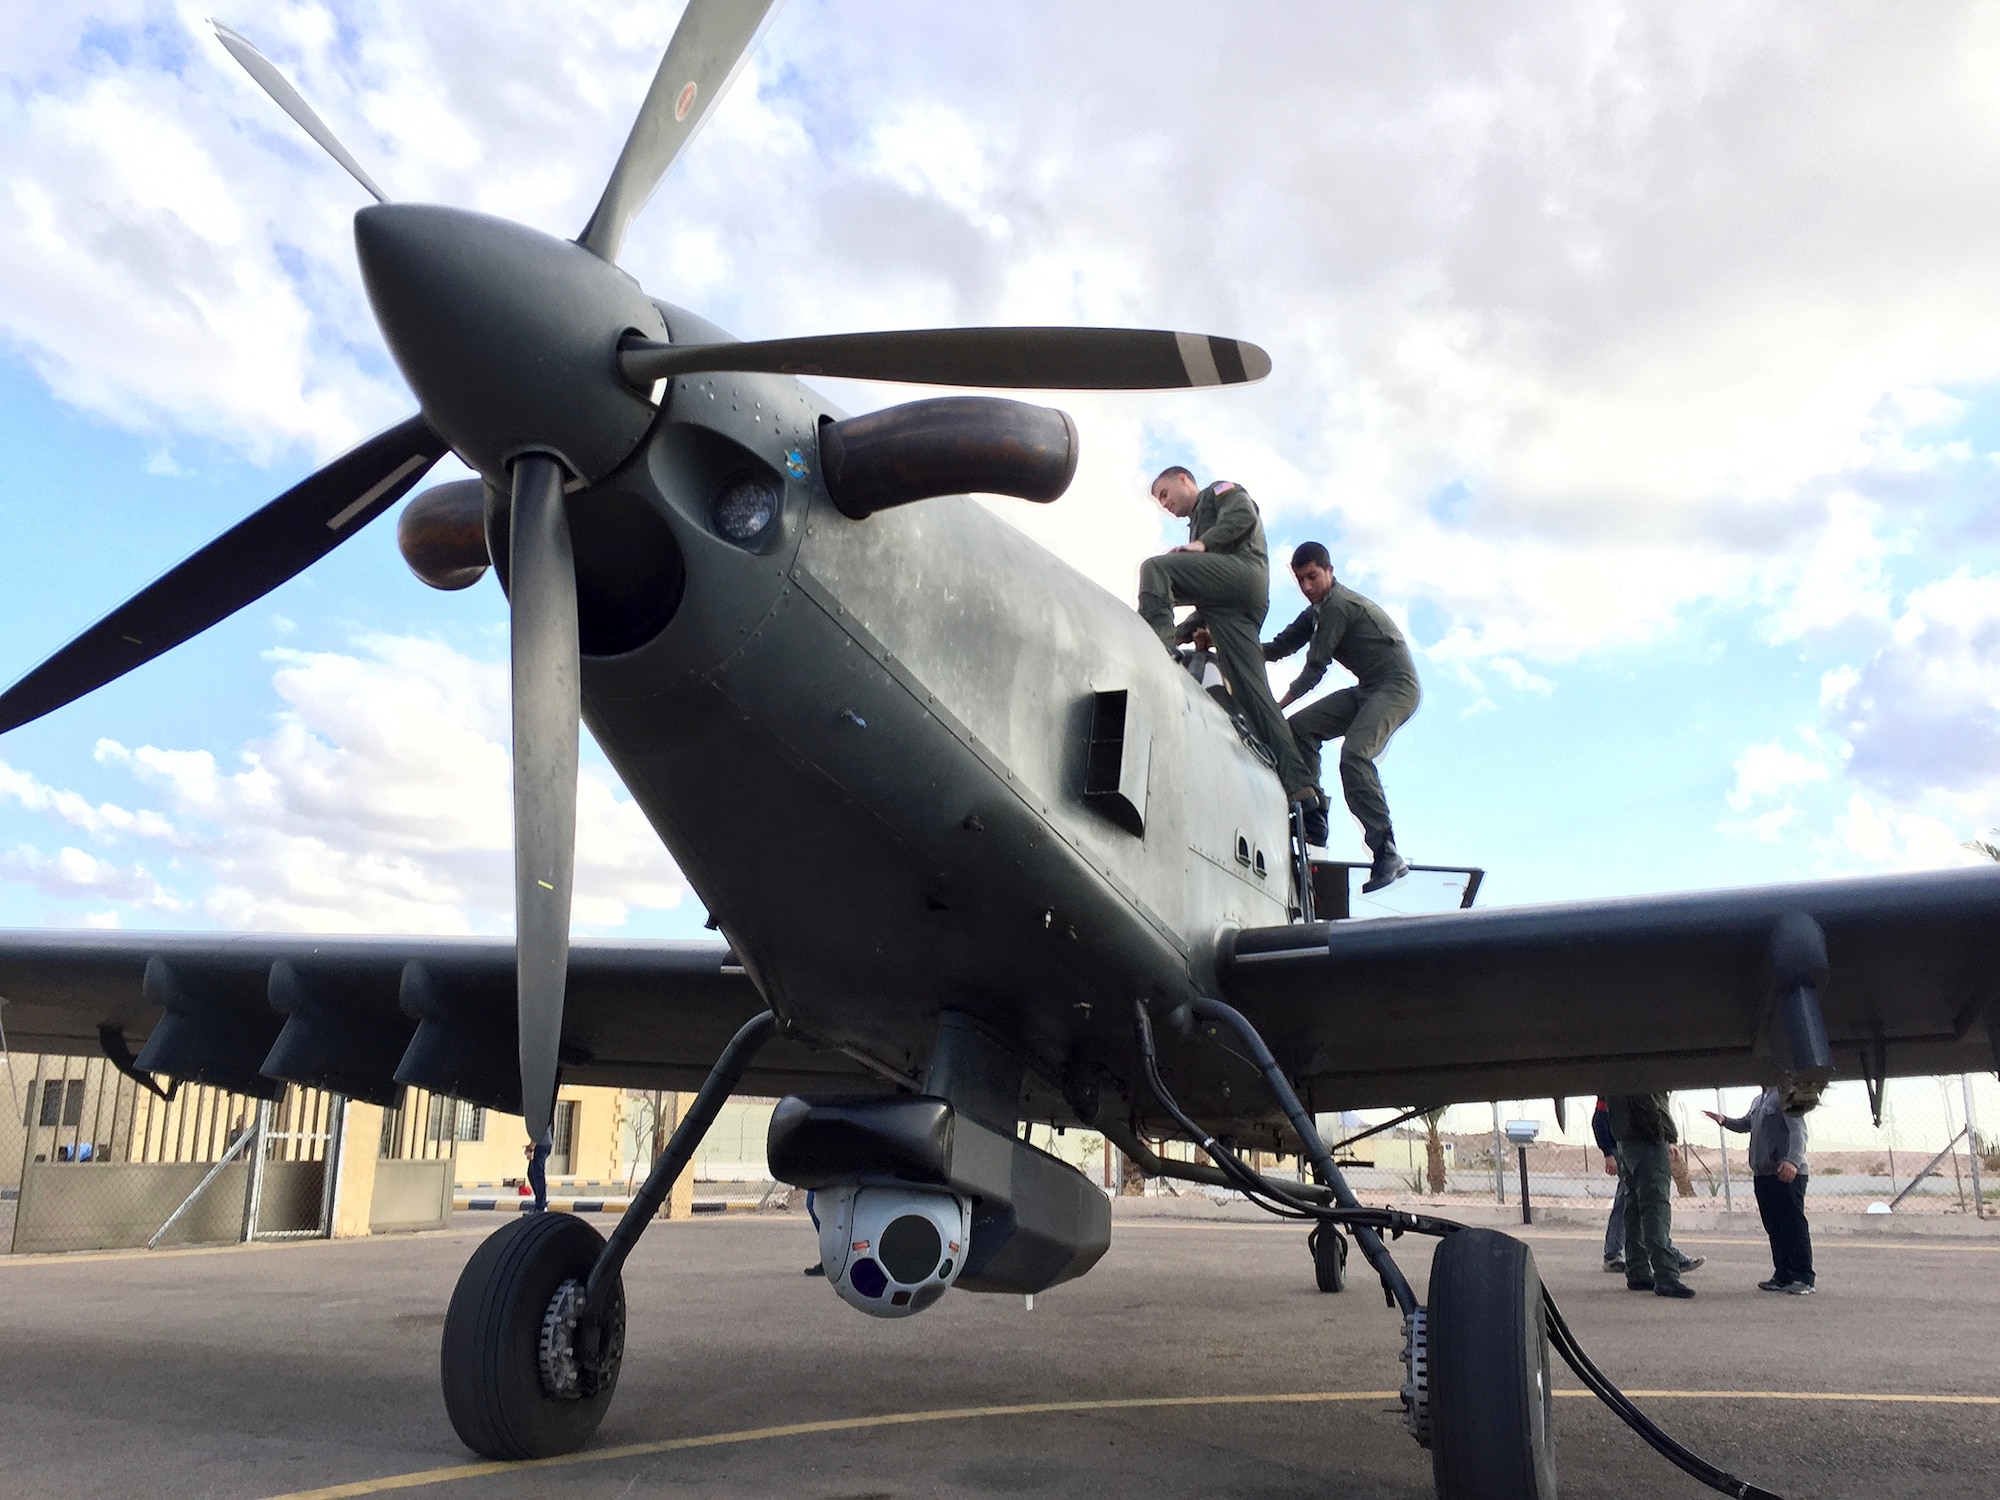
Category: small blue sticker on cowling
[795,464]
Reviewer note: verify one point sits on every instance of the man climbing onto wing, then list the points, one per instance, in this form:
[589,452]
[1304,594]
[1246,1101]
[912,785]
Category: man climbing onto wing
[1342,626]
[1224,571]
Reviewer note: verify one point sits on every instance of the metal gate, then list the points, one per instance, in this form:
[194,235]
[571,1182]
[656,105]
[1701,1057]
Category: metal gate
[109,1162]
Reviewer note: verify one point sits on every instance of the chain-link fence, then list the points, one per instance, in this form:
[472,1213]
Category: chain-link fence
[91,1158]
[1927,1155]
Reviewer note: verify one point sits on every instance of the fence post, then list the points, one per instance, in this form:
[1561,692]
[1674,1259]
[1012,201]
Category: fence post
[1972,1145]
[1499,1172]
[253,1183]
[1722,1145]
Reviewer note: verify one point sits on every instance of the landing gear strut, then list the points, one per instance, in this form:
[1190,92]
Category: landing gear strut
[536,1328]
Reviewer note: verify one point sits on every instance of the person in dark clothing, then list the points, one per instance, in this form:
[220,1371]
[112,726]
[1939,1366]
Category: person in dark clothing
[1339,625]
[538,1173]
[1224,571]
[1614,1226]
[1643,1128]
[1778,1173]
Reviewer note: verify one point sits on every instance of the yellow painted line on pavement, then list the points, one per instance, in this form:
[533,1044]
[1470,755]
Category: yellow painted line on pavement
[450,1473]
[1826,1242]
[1884,1397]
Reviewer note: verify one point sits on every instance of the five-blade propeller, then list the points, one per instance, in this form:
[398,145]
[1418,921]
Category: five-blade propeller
[279,87]
[1026,359]
[541,586]
[709,47]
[309,520]
[236,569]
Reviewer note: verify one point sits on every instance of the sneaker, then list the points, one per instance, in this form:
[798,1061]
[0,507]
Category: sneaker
[1772,1285]
[1678,1289]
[1800,1288]
[1633,1285]
[1617,1265]
[1692,1263]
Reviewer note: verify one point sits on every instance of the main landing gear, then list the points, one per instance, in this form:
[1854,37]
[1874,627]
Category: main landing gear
[536,1329]
[524,1376]
[1478,1394]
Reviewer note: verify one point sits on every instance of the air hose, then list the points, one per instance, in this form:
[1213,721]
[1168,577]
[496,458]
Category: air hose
[1368,1225]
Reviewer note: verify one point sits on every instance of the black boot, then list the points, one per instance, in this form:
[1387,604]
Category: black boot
[1313,816]
[1389,867]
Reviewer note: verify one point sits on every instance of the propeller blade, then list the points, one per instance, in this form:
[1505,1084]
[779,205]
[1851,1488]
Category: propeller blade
[541,580]
[710,45]
[274,83]
[238,568]
[1040,359]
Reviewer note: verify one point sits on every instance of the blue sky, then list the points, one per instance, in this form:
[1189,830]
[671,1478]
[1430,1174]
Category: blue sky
[1646,363]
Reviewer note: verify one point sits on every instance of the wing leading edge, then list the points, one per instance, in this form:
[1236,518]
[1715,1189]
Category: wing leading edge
[366,1015]
[1649,992]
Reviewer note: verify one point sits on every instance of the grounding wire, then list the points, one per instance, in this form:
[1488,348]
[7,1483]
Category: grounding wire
[1273,1198]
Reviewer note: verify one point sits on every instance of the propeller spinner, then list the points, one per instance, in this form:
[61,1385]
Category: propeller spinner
[529,356]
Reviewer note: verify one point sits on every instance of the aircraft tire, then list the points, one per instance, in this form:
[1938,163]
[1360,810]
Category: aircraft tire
[490,1358]
[1492,1437]
[1329,1253]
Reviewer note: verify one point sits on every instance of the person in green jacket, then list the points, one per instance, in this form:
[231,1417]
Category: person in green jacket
[1339,625]
[1643,1127]
[1224,571]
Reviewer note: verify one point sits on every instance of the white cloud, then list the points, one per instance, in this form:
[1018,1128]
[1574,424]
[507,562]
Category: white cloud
[1665,294]
[71,872]
[1769,769]
[380,801]
[1906,764]
[105,820]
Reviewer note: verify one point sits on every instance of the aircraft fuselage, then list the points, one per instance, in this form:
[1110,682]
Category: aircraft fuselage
[863,741]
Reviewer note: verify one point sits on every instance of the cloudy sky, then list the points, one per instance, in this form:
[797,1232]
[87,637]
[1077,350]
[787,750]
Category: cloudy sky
[1645,360]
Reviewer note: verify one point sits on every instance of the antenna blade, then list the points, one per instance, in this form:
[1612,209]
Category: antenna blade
[709,47]
[1029,359]
[274,83]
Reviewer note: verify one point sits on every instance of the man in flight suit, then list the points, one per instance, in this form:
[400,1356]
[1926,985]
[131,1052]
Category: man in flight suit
[1643,1127]
[1224,571]
[1342,626]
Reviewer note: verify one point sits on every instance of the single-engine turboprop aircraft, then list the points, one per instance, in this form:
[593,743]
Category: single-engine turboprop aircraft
[1031,835]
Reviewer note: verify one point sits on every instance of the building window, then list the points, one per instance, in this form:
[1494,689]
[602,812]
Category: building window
[455,1120]
[62,1104]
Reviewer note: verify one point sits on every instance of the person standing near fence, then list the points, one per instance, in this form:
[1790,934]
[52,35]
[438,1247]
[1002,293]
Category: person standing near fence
[1778,1162]
[1614,1227]
[1643,1128]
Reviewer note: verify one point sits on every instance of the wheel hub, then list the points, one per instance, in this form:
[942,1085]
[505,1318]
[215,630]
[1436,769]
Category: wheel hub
[571,1369]
[1416,1392]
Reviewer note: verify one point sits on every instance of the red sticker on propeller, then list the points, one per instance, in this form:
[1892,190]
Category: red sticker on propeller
[683,104]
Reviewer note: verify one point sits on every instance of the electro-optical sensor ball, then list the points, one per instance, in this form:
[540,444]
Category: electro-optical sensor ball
[892,1251]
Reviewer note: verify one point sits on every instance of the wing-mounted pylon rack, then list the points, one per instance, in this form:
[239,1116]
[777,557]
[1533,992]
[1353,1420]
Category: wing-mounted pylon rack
[1331,901]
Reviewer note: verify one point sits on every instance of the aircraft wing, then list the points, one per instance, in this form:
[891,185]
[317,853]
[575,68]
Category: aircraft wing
[346,1012]
[1652,992]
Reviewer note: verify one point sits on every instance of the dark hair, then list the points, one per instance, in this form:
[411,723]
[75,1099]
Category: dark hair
[1172,469]
[1307,553]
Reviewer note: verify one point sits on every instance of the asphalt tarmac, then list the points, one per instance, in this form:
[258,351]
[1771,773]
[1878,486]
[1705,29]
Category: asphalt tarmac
[1197,1360]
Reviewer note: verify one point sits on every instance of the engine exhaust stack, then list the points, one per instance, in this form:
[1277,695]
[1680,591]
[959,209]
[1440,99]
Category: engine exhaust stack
[955,445]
